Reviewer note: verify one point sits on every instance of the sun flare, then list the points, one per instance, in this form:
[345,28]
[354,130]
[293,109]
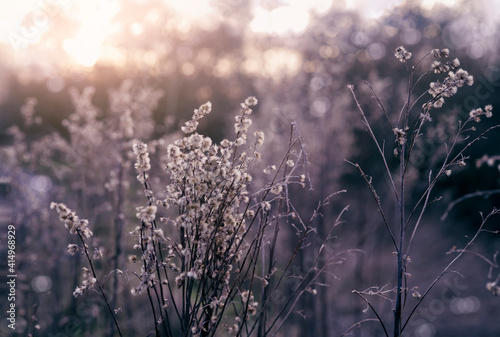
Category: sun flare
[95,16]
[293,16]
[81,34]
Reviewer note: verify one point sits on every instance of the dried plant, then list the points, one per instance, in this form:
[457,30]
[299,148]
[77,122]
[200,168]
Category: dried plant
[206,241]
[409,127]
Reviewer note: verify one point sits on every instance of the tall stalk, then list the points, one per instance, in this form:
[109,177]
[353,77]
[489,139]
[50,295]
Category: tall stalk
[409,128]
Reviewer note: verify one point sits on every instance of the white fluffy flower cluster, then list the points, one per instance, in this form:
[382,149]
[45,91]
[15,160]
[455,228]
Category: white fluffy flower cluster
[208,185]
[456,78]
[476,113]
[88,283]
[191,125]
[146,214]
[247,299]
[402,54]
[71,221]
[142,164]
[451,83]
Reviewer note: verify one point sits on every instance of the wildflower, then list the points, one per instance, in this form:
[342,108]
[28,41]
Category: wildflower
[290,163]
[492,286]
[443,53]
[208,185]
[138,290]
[191,274]
[202,111]
[146,214]
[436,67]
[311,290]
[439,68]
[449,86]
[78,292]
[72,249]
[179,280]
[206,143]
[464,77]
[247,299]
[438,103]
[142,163]
[488,111]
[259,137]
[159,235]
[226,143]
[402,54]
[276,189]
[89,282]
[251,101]
[266,206]
[71,221]
[476,113]
[240,141]
[190,126]
[140,148]
[242,124]
[97,254]
[400,135]
[86,272]
[84,229]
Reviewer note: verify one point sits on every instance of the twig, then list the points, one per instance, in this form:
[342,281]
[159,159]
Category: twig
[446,269]
[372,135]
[374,311]
[377,200]
[358,325]
[465,197]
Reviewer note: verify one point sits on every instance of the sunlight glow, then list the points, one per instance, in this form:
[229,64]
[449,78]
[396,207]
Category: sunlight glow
[280,20]
[292,16]
[95,15]
[85,48]
[429,4]
[275,64]
[92,26]
[192,9]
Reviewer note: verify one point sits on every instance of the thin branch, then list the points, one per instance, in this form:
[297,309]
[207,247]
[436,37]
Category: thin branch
[372,135]
[446,269]
[481,256]
[358,325]
[374,311]
[377,200]
[379,103]
[422,211]
[468,196]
